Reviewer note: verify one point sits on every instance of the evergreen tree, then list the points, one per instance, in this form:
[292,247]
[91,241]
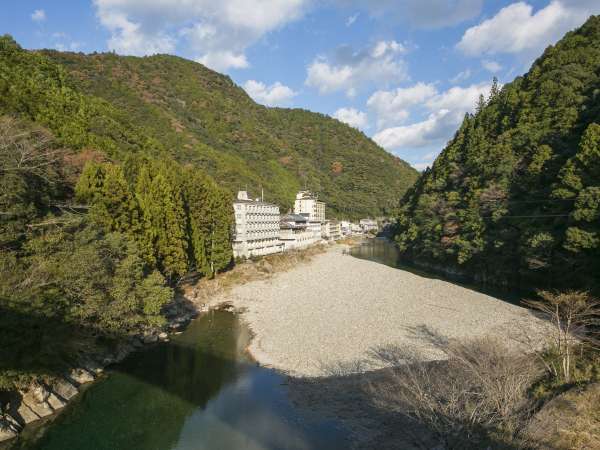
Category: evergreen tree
[164,211]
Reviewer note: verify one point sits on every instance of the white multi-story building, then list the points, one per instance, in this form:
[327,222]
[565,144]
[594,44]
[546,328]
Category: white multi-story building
[308,204]
[256,227]
[368,225]
[295,232]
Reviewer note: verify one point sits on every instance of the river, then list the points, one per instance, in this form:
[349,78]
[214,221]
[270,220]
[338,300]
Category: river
[199,391]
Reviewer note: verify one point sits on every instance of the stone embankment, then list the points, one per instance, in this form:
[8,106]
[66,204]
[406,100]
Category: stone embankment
[43,399]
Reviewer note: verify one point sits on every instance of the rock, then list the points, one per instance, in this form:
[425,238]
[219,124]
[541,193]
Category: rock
[163,336]
[55,402]
[137,342]
[7,429]
[42,409]
[40,393]
[124,350]
[80,376]
[64,389]
[26,414]
[93,367]
[150,338]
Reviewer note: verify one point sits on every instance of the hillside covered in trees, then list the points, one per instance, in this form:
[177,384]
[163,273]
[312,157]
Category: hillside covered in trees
[201,117]
[515,196]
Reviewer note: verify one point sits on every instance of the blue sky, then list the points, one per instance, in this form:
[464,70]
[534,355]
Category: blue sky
[402,71]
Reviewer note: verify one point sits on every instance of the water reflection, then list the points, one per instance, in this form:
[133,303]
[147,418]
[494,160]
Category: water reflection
[197,392]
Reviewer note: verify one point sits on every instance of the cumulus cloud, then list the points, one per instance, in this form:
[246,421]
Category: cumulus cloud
[348,70]
[446,111]
[352,117]
[418,13]
[491,66]
[218,33]
[276,94]
[391,107]
[39,15]
[518,29]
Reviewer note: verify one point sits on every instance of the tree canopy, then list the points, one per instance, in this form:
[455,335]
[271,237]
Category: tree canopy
[514,197]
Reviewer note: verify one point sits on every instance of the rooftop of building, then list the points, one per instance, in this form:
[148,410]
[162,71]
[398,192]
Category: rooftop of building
[242,197]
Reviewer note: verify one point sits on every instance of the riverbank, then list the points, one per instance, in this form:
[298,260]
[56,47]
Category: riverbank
[44,399]
[330,316]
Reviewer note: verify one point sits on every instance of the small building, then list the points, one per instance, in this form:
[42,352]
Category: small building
[295,232]
[335,230]
[256,227]
[368,225]
[346,227]
[308,204]
[355,228]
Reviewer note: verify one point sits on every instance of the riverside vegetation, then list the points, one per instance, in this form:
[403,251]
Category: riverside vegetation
[107,199]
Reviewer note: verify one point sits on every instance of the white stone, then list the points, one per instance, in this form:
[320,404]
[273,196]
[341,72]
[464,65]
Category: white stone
[81,376]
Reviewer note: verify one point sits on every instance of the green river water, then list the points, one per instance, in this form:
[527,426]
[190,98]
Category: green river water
[199,391]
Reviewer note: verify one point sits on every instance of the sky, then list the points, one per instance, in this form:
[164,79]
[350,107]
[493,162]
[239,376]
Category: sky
[404,72]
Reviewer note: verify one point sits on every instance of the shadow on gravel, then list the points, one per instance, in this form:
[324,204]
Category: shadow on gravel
[371,406]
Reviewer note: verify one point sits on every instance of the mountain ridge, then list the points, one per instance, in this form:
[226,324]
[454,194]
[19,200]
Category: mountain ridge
[202,117]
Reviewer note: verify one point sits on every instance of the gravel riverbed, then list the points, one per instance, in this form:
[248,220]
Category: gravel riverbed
[327,316]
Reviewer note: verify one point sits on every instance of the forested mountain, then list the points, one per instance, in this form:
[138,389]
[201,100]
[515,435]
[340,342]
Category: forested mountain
[201,117]
[515,196]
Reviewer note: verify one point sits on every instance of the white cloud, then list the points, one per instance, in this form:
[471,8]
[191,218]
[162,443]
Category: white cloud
[461,76]
[458,98]
[518,29]
[447,110]
[276,94]
[221,61]
[421,166]
[352,117]
[350,20]
[491,66]
[348,70]
[39,15]
[391,107]
[217,33]
[418,13]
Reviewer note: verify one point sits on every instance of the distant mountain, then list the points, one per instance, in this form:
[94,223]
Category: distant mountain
[515,196]
[165,104]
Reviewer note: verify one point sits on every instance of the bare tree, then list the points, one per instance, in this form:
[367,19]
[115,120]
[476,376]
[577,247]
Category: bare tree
[575,316]
[26,150]
[481,386]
